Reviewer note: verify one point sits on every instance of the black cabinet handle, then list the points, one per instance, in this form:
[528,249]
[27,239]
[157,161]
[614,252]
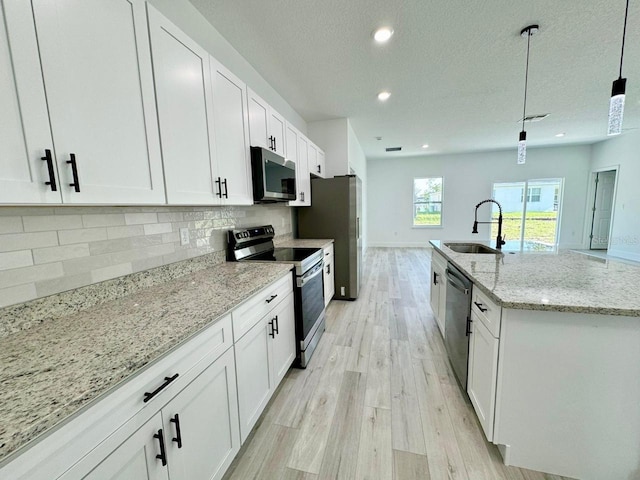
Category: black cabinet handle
[272,142]
[319,170]
[74,172]
[52,176]
[272,333]
[276,328]
[468,332]
[270,299]
[275,143]
[226,192]
[163,454]
[219,184]
[435,278]
[167,380]
[178,437]
[329,269]
[302,195]
[479,305]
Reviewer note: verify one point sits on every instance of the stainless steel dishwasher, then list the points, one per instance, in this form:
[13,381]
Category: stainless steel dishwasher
[457,322]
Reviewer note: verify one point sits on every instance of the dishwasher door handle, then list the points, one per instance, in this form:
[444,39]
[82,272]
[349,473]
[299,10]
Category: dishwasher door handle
[456,285]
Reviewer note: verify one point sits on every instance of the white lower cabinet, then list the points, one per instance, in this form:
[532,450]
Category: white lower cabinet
[482,373]
[263,356]
[329,279]
[437,294]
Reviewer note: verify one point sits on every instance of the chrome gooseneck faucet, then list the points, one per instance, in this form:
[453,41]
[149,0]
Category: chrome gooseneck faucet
[499,240]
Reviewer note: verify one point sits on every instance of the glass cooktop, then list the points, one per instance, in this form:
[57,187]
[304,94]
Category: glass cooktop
[286,255]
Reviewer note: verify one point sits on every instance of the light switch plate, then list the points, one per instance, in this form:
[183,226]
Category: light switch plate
[184,236]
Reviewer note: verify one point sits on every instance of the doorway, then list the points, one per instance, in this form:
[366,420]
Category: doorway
[602,209]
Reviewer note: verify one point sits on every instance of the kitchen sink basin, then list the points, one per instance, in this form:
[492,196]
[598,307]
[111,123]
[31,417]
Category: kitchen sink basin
[471,248]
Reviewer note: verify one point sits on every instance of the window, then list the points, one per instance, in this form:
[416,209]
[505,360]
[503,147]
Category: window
[427,202]
[529,222]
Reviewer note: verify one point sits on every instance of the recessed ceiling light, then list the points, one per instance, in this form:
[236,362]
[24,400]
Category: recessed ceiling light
[382,34]
[384,96]
[426,145]
[559,135]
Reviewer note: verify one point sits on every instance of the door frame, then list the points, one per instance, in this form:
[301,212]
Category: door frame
[591,194]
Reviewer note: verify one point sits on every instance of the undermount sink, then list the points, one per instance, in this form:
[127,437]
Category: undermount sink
[471,248]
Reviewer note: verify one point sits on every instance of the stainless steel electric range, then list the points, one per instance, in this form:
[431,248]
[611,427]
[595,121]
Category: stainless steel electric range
[256,245]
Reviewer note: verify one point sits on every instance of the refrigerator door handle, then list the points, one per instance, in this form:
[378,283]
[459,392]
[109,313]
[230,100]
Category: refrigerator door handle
[357,227]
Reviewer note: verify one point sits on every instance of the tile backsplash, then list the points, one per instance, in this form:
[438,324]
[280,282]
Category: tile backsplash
[47,250]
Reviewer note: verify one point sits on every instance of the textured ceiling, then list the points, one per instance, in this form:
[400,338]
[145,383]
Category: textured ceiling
[455,68]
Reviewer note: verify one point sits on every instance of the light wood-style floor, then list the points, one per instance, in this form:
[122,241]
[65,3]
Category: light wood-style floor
[379,399]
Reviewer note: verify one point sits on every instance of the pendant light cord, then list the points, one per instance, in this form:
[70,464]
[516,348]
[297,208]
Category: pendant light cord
[624,34]
[526,77]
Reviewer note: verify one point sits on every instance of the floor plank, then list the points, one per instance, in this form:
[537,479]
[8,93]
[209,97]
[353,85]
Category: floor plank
[341,454]
[375,458]
[378,392]
[308,451]
[409,466]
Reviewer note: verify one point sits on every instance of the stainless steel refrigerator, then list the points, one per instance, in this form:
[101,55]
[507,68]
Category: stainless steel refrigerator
[335,212]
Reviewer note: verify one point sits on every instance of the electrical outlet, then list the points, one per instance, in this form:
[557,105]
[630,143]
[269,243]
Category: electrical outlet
[342,291]
[184,236]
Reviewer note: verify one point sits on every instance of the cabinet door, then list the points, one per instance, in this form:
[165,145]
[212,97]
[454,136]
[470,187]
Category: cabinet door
[96,65]
[292,144]
[434,291]
[277,131]
[284,339]
[231,127]
[312,161]
[329,279]
[24,123]
[136,457]
[183,90]
[303,178]
[321,164]
[258,121]
[442,301]
[483,371]
[204,419]
[255,383]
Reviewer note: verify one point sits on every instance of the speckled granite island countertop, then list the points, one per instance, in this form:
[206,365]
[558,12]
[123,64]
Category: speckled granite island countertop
[564,282]
[305,243]
[52,369]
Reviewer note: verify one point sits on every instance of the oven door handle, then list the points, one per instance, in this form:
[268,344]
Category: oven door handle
[317,270]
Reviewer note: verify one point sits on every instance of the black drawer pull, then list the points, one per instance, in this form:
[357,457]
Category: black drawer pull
[167,380]
[219,184]
[271,299]
[74,172]
[435,278]
[479,305]
[178,437]
[226,192]
[276,328]
[52,176]
[468,329]
[163,454]
[329,269]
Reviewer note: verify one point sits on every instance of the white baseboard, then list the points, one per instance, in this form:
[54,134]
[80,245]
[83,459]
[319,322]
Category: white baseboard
[635,257]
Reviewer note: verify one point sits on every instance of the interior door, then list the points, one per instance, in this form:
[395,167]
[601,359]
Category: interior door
[96,65]
[24,123]
[231,126]
[602,210]
[184,97]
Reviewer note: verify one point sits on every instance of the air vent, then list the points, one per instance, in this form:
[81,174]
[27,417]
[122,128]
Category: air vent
[393,149]
[534,118]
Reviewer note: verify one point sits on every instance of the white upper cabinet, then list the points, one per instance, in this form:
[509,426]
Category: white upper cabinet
[184,97]
[297,145]
[25,135]
[231,127]
[313,159]
[96,66]
[321,164]
[266,126]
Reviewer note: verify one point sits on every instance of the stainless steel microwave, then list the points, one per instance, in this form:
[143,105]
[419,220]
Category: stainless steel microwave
[274,177]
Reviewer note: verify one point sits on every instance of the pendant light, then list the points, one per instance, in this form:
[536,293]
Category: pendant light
[616,104]
[522,139]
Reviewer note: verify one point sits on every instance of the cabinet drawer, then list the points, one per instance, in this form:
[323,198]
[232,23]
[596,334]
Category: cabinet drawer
[487,310]
[51,456]
[250,312]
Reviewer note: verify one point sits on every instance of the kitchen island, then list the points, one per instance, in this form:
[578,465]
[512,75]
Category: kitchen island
[564,393]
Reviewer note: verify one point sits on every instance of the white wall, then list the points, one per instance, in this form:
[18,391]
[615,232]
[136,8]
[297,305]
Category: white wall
[468,179]
[191,21]
[623,151]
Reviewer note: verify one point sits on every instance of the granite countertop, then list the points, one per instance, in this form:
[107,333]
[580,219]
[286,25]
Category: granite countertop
[54,368]
[305,243]
[564,281]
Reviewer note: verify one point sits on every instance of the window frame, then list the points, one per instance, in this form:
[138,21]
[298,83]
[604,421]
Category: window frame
[441,202]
